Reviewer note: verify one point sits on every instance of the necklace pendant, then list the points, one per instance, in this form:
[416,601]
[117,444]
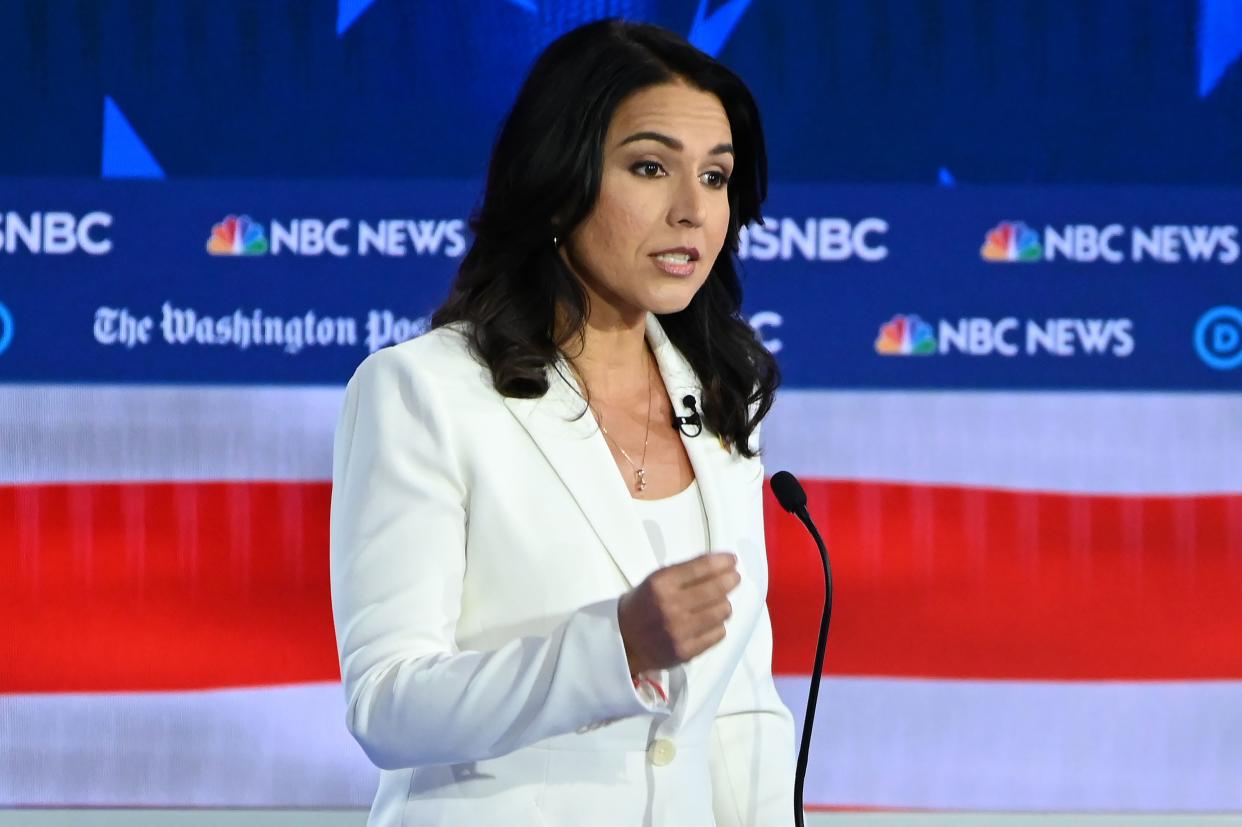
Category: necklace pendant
[641,475]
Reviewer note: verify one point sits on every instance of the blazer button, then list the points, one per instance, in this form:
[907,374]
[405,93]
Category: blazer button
[661,752]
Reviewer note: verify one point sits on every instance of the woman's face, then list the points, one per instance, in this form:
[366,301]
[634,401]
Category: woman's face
[663,209]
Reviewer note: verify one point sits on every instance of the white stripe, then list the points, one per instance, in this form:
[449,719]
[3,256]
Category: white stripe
[277,746]
[1095,443]
[116,433]
[1129,443]
[972,745]
[996,745]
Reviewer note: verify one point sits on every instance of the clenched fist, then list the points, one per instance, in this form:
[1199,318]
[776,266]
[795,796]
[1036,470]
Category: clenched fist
[678,612]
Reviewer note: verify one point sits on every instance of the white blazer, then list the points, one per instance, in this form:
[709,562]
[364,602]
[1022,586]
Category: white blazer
[479,547]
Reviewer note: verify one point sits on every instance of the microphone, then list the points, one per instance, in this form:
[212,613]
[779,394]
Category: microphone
[693,420]
[792,498]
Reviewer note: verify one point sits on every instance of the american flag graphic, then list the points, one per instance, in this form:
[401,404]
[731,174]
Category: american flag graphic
[1038,598]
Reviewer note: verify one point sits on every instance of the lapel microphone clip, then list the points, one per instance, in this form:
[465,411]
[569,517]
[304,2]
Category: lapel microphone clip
[691,424]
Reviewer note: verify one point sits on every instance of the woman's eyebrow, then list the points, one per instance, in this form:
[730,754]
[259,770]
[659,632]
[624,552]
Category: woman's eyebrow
[673,143]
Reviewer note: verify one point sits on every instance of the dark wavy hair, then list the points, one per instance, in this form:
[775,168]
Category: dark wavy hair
[544,179]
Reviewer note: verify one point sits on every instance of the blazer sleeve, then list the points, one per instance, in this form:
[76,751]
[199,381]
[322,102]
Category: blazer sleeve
[399,500]
[752,749]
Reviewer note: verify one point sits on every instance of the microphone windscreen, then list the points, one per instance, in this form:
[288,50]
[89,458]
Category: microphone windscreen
[788,491]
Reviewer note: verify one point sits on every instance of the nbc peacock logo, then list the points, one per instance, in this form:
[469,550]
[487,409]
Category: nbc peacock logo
[905,335]
[1012,241]
[237,235]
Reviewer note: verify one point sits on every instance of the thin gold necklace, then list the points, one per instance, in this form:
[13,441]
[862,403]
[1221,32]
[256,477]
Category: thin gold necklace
[640,470]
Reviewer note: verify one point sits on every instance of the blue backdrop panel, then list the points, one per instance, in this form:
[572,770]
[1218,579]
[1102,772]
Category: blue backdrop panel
[115,281]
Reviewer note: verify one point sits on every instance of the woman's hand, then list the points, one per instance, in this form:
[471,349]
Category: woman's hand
[678,612]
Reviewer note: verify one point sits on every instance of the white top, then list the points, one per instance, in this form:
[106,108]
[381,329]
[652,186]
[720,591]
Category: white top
[676,525]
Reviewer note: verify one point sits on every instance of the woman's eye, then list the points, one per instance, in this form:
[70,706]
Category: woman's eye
[647,169]
[715,179]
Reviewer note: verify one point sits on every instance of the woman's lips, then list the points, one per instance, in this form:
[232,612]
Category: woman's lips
[675,267]
[677,261]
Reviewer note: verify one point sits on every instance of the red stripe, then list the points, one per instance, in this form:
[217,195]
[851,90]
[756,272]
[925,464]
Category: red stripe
[166,586]
[955,582]
[162,586]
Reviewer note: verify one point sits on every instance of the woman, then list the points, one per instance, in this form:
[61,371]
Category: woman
[530,631]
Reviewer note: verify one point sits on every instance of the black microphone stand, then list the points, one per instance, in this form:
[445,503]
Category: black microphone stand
[804,751]
[799,510]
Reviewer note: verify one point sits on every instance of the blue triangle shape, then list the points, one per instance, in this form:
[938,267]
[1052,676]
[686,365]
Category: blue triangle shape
[347,11]
[710,32]
[1220,41]
[124,153]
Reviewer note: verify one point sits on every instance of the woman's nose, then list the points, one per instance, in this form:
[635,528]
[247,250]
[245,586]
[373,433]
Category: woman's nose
[689,207]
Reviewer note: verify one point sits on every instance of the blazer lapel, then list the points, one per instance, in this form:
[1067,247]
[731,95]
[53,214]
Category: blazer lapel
[568,437]
[707,453]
